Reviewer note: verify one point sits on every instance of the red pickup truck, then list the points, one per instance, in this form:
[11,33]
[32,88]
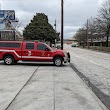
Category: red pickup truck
[13,51]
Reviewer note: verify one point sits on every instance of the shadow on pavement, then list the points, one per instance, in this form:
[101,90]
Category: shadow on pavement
[32,64]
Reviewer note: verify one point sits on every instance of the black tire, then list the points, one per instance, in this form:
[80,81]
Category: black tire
[9,60]
[58,61]
[15,61]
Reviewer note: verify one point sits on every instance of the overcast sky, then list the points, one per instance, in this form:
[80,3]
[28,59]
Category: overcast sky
[76,11]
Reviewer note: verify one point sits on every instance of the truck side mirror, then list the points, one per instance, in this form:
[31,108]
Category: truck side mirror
[47,49]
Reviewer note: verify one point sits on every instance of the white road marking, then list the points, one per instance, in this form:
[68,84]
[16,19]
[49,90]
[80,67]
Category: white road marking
[88,61]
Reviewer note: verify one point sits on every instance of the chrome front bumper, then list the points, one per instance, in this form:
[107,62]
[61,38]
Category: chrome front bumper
[67,58]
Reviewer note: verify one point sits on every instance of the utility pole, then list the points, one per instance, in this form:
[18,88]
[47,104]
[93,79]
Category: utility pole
[87,33]
[107,36]
[55,24]
[55,30]
[62,22]
[108,33]
[0,30]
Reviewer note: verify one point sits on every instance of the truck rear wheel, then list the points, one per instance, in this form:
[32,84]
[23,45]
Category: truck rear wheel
[8,60]
[58,61]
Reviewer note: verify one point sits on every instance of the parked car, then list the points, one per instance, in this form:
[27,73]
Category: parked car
[13,51]
[74,45]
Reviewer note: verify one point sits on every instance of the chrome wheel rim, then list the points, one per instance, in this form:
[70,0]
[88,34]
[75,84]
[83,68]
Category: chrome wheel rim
[8,60]
[58,62]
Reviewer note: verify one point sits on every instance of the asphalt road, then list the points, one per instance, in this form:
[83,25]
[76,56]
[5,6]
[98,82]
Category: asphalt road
[95,66]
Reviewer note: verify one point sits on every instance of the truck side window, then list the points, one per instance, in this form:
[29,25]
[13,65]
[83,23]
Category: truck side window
[10,45]
[41,47]
[29,45]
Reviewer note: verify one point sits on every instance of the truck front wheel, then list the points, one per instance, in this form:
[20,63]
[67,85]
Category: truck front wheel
[8,60]
[58,61]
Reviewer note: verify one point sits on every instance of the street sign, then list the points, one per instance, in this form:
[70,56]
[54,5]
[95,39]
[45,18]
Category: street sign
[7,20]
[7,15]
[7,24]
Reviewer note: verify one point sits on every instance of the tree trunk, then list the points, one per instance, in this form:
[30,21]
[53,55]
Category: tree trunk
[50,44]
[108,33]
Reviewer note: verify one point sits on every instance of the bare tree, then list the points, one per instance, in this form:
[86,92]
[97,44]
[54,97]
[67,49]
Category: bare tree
[17,27]
[99,27]
[103,19]
[18,24]
[80,36]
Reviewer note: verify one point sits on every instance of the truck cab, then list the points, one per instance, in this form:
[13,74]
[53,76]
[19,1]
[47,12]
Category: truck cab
[13,51]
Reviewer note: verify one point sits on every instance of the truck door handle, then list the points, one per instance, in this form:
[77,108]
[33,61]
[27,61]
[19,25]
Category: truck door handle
[25,52]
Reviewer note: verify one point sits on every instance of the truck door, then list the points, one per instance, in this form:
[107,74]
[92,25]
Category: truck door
[28,51]
[44,53]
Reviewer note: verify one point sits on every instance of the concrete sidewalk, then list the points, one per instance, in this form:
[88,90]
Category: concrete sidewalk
[56,88]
